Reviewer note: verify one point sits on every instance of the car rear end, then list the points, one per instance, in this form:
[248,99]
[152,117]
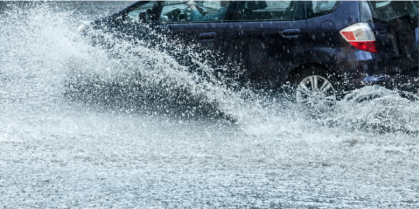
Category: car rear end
[385,44]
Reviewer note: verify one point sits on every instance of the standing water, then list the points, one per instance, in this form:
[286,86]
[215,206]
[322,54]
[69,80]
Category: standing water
[81,128]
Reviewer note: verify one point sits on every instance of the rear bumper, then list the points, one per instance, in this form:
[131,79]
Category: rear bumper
[364,68]
[405,81]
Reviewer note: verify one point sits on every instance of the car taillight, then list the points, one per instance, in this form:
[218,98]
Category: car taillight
[361,36]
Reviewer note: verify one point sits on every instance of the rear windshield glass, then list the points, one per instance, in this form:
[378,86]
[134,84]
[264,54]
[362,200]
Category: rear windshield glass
[389,10]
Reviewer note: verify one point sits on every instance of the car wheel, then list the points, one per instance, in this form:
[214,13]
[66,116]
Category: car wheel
[315,88]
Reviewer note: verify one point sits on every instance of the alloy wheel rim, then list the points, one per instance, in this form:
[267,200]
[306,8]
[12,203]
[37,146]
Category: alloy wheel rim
[315,91]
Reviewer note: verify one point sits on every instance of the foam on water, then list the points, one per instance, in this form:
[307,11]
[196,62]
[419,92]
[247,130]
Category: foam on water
[72,115]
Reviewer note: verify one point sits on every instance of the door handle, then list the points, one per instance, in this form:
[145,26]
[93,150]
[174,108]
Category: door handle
[290,33]
[207,36]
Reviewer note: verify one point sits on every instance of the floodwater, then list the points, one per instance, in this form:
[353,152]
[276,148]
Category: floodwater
[177,143]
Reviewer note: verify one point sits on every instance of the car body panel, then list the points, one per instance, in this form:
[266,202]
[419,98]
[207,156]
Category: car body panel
[271,51]
[262,48]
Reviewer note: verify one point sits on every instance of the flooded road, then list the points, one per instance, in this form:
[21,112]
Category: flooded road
[167,145]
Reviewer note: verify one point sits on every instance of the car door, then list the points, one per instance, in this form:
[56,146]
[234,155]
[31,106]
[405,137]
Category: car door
[205,33]
[268,38]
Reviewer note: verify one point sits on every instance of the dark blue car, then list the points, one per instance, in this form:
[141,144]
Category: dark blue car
[318,48]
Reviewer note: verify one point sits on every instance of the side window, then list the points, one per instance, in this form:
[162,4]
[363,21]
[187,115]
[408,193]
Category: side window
[133,15]
[269,10]
[204,11]
[209,11]
[318,8]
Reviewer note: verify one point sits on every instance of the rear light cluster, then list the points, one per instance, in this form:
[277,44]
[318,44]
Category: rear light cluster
[361,36]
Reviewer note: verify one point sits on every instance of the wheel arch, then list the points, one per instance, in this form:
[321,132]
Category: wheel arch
[301,68]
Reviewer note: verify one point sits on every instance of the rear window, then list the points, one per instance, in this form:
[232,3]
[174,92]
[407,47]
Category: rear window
[389,10]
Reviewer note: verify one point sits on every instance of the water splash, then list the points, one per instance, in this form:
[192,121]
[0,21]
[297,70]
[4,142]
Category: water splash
[49,63]
[54,133]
